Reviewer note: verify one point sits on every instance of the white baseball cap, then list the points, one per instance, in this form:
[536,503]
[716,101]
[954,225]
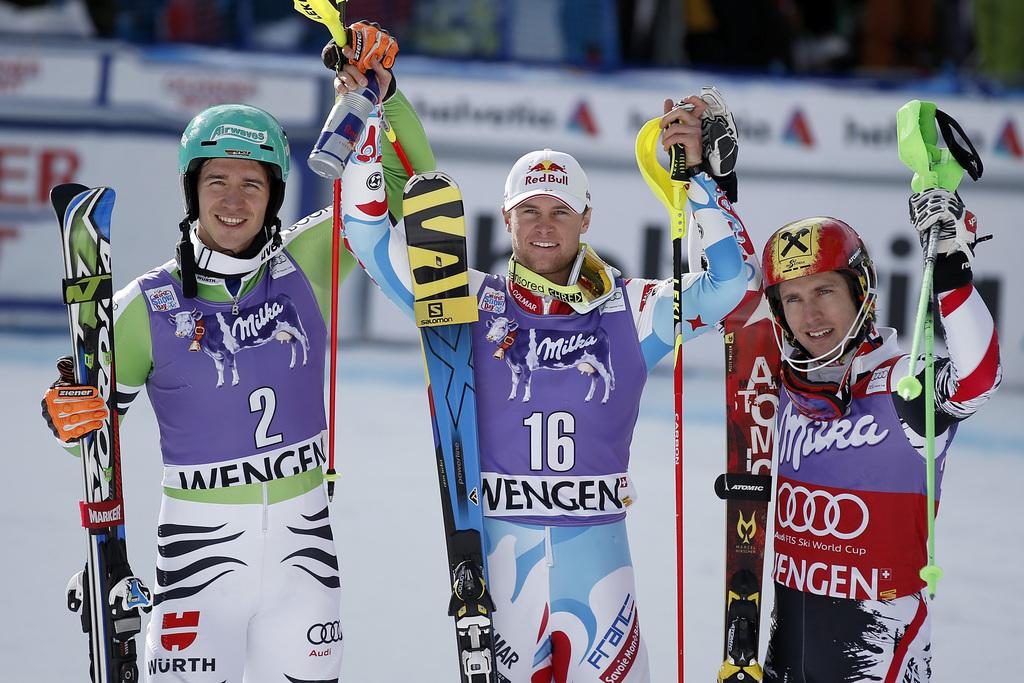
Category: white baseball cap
[550,173]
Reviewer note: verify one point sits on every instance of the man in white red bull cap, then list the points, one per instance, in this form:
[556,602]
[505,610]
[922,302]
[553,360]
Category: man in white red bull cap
[555,445]
[547,209]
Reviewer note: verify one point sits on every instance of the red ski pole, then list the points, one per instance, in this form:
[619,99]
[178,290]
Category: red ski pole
[332,475]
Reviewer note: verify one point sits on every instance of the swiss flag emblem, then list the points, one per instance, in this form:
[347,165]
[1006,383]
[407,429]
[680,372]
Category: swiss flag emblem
[174,637]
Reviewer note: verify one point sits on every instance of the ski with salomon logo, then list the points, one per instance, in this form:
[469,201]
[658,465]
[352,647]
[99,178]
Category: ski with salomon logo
[444,309]
[105,592]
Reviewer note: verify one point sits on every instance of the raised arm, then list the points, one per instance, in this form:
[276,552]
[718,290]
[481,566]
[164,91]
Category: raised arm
[708,295]
[970,375]
[372,210]
[718,279]
[372,184]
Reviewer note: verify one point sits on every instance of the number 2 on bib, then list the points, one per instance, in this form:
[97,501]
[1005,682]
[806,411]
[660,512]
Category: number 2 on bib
[264,399]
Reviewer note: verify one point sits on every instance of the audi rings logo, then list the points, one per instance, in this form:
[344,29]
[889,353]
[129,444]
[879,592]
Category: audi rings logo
[843,515]
[324,634]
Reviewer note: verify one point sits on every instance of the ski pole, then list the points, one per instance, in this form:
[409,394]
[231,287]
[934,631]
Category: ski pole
[396,144]
[909,388]
[670,188]
[933,167]
[331,476]
[332,16]
[341,131]
[915,124]
[931,572]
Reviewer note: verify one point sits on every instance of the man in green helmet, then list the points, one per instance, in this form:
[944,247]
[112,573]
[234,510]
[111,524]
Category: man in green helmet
[229,339]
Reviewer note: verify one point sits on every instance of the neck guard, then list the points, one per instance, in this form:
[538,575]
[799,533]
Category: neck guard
[194,257]
[593,281]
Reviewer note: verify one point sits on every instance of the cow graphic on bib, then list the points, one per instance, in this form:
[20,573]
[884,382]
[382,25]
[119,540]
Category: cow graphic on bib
[540,349]
[224,336]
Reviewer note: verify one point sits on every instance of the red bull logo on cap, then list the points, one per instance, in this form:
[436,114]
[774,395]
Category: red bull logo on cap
[548,166]
[549,172]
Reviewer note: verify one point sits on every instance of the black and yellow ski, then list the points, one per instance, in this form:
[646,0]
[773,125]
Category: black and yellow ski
[435,231]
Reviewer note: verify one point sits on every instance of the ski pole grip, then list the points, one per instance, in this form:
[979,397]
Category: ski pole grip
[331,55]
[677,153]
[677,163]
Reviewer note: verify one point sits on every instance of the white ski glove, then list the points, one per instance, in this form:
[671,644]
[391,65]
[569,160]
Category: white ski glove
[957,227]
[718,133]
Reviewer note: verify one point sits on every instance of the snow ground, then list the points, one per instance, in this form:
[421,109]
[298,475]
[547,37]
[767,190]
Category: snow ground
[388,527]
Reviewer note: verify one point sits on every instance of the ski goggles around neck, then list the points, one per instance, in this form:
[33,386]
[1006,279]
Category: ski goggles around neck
[592,281]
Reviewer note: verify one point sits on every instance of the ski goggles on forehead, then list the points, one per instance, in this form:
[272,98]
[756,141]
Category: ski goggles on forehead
[820,401]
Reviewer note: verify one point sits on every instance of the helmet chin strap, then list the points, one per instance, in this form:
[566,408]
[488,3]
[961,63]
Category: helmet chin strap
[218,263]
[837,351]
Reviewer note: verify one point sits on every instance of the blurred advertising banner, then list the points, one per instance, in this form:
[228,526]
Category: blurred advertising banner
[140,166]
[182,90]
[783,127]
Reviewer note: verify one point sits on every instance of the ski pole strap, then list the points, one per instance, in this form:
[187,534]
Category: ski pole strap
[917,126]
[952,133]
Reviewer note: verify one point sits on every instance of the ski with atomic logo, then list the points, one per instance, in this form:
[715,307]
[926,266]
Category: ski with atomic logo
[444,310]
[752,398]
[106,592]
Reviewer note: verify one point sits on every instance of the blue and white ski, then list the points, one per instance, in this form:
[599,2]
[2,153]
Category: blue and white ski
[436,234]
[106,592]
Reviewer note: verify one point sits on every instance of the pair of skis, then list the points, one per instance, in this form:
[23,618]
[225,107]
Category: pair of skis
[751,396]
[106,592]
[444,310]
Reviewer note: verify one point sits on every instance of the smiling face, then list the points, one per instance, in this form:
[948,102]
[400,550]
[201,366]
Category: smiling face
[233,197]
[819,310]
[546,236]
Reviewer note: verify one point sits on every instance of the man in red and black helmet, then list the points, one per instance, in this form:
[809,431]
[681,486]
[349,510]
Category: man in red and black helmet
[850,501]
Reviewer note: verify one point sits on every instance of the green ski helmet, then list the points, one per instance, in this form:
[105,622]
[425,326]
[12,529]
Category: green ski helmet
[234,131]
[230,131]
